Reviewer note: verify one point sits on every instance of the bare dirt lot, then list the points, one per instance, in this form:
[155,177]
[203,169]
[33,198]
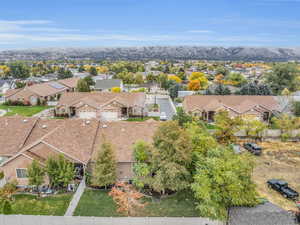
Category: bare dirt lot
[280,160]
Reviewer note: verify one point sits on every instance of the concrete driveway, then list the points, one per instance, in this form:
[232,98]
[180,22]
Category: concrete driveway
[165,105]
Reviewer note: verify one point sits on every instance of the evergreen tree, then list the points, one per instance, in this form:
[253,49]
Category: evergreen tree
[93,71]
[104,169]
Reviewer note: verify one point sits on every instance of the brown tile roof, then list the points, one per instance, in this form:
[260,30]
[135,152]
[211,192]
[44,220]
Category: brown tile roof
[123,135]
[77,139]
[238,103]
[69,82]
[11,92]
[98,99]
[14,132]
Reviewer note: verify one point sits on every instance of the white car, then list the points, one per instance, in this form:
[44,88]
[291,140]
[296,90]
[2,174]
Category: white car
[163,116]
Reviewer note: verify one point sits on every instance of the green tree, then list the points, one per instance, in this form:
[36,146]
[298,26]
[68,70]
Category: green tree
[104,170]
[36,174]
[171,157]
[253,127]
[20,84]
[81,69]
[182,117]
[19,70]
[238,78]
[223,180]
[64,73]
[283,75]
[82,86]
[93,71]
[286,123]
[227,127]
[60,171]
[89,80]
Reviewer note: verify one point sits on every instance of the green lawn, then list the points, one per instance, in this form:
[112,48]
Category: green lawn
[23,110]
[31,205]
[98,203]
[139,119]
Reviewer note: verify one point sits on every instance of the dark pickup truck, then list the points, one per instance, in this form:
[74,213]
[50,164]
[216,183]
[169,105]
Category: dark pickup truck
[253,148]
[283,188]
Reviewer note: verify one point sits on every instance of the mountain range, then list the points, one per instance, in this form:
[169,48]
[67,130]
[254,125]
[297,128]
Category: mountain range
[156,52]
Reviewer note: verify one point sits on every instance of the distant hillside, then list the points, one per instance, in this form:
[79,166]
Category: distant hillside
[149,53]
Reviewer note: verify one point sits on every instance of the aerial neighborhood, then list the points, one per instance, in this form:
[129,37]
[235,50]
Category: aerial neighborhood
[213,140]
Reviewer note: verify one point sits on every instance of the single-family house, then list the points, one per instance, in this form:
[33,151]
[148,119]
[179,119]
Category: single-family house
[206,106]
[42,92]
[108,84]
[38,139]
[101,105]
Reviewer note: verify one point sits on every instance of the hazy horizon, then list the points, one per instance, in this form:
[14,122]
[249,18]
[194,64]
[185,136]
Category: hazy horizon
[130,23]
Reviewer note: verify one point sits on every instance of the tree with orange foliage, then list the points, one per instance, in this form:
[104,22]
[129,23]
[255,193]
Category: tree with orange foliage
[194,85]
[127,198]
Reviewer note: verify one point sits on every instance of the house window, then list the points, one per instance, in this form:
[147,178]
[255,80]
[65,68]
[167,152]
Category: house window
[21,173]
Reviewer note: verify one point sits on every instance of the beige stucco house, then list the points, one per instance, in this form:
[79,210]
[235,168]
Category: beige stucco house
[206,106]
[52,90]
[78,140]
[102,105]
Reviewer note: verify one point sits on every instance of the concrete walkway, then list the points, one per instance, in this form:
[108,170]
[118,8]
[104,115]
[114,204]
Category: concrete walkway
[44,113]
[76,198]
[56,220]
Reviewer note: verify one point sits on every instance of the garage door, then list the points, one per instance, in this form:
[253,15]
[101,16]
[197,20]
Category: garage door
[109,116]
[87,115]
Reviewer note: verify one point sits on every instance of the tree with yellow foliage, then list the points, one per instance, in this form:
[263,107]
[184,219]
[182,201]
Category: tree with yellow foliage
[116,90]
[194,85]
[175,78]
[201,78]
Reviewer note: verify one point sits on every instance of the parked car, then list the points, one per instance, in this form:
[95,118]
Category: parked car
[283,188]
[163,116]
[253,148]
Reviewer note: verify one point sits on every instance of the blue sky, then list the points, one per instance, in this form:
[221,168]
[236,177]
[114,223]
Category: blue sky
[91,23]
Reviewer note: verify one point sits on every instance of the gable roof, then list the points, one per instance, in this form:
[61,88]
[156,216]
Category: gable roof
[107,84]
[69,82]
[263,214]
[14,132]
[97,99]
[237,103]
[123,135]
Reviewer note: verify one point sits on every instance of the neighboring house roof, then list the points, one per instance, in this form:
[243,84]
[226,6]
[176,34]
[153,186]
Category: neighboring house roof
[43,89]
[107,84]
[237,103]
[123,135]
[263,214]
[98,99]
[70,82]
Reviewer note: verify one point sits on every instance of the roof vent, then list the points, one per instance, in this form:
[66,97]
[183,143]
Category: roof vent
[44,126]
[104,125]
[87,122]
[25,121]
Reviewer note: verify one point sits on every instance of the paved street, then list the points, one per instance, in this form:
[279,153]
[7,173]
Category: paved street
[165,106]
[56,220]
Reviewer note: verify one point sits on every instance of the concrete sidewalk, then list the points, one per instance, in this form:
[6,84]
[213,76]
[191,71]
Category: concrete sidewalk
[56,220]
